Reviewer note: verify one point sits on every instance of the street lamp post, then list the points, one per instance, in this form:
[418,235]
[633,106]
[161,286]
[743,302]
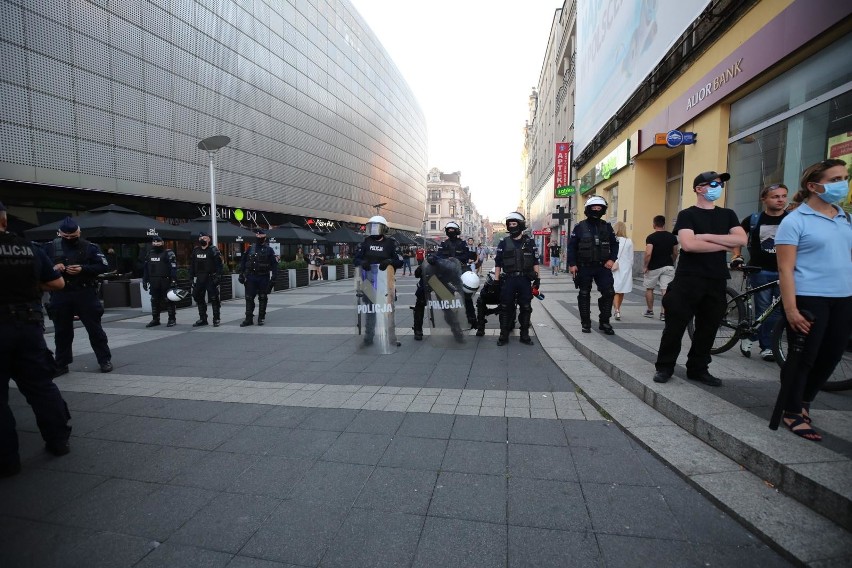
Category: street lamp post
[378,207]
[211,145]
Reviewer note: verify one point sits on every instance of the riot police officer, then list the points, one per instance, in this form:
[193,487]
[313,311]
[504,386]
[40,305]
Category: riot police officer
[24,356]
[454,247]
[160,276]
[205,270]
[255,268]
[592,250]
[80,262]
[516,264]
[379,249]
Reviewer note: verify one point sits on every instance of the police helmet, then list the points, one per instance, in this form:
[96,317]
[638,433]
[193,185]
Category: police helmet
[517,218]
[176,294]
[595,200]
[470,282]
[452,229]
[377,226]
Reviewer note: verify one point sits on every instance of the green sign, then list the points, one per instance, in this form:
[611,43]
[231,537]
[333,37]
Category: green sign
[566,191]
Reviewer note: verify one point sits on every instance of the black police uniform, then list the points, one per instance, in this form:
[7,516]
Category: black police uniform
[454,247]
[80,298]
[489,294]
[592,244]
[517,259]
[205,269]
[24,356]
[375,251]
[255,267]
[160,275]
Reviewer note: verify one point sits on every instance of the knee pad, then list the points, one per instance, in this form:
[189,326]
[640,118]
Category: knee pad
[608,293]
[585,293]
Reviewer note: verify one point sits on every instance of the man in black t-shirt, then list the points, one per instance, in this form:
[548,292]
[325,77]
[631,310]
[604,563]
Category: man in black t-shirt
[761,228]
[705,233]
[658,263]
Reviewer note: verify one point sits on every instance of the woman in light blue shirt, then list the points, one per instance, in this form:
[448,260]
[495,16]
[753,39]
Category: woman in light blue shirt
[814,248]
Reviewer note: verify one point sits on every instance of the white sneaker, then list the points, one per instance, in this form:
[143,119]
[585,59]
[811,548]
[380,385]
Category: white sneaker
[745,347]
[767,355]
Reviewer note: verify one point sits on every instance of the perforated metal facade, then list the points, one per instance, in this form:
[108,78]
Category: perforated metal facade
[114,95]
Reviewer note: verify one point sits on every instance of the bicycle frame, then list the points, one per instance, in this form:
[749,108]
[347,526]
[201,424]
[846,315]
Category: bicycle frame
[752,324]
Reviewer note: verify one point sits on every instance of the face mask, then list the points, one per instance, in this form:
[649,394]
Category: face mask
[713,193]
[516,230]
[834,191]
[261,240]
[202,242]
[72,240]
[592,214]
[157,248]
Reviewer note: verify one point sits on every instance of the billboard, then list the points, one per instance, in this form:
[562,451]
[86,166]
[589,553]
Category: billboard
[618,44]
[562,171]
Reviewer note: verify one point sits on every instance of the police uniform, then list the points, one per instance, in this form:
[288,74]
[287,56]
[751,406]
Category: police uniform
[205,269]
[517,259]
[79,297]
[24,356]
[454,247]
[255,267]
[381,250]
[160,275]
[592,244]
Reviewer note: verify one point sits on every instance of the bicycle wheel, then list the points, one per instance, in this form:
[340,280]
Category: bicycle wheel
[727,334]
[840,379]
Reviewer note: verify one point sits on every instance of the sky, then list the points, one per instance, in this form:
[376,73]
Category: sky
[472,65]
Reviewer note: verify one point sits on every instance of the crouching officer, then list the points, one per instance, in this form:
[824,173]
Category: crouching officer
[205,270]
[379,249]
[160,275]
[80,262]
[24,357]
[255,268]
[516,264]
[454,247]
[592,250]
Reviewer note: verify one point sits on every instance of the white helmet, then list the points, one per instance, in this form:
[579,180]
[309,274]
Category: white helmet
[452,229]
[176,294]
[595,200]
[470,282]
[377,226]
[520,219]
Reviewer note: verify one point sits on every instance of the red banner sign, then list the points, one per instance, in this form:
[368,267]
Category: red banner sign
[562,172]
[542,232]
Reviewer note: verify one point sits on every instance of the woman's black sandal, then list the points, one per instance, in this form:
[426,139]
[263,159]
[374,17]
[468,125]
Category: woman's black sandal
[795,427]
[806,412]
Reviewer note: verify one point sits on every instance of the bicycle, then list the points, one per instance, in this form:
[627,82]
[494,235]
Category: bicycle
[740,322]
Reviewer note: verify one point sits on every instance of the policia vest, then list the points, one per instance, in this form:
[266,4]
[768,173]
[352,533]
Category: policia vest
[78,256]
[159,264]
[455,248]
[19,265]
[204,261]
[518,256]
[592,242]
[258,260]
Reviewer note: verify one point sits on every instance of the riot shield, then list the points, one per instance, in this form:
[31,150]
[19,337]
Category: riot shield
[374,308]
[444,300]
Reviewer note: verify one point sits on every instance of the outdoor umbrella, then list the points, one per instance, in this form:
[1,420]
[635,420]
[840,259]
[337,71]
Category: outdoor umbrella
[344,234]
[404,239]
[225,231]
[289,233]
[114,223]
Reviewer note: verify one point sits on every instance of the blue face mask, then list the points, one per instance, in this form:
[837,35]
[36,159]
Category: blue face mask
[834,191]
[713,193]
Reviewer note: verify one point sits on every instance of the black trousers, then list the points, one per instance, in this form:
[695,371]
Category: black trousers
[688,297]
[824,346]
[82,302]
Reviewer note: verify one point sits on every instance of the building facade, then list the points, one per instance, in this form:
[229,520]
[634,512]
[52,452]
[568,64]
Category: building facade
[106,102]
[447,200]
[729,95]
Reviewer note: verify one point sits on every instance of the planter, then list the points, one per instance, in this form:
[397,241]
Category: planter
[324,269]
[239,290]
[350,271]
[226,288]
[340,272]
[282,280]
[301,276]
[186,302]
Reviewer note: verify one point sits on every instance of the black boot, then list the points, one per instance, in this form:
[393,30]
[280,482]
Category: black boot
[605,307]
[584,304]
[155,314]
[216,313]
[249,312]
[507,322]
[524,317]
[202,316]
[172,316]
[480,317]
[261,310]
[419,313]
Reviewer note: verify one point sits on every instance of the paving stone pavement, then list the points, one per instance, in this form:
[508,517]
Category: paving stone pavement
[288,445]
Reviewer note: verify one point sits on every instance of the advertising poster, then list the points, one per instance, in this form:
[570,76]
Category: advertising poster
[840,148]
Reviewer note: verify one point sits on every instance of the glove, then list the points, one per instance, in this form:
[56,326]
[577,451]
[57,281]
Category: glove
[418,272]
[536,283]
[737,262]
[366,265]
[383,265]
[145,286]
[241,278]
[270,287]
[215,279]
[431,258]
[172,283]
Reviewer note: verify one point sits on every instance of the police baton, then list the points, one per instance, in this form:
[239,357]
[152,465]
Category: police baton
[789,370]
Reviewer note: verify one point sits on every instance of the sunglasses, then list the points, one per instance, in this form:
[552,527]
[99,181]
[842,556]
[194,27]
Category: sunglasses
[714,184]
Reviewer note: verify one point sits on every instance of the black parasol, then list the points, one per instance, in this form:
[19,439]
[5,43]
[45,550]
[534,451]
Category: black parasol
[290,234]
[225,231]
[344,235]
[112,222]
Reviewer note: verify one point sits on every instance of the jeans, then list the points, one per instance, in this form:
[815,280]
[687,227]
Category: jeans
[762,300]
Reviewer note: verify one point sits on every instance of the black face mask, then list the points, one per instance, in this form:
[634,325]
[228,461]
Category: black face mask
[157,248]
[594,214]
[71,240]
[515,231]
[261,240]
[202,243]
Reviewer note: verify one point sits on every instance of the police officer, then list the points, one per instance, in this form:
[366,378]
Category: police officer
[516,264]
[454,247]
[379,249]
[80,262]
[205,270]
[255,268]
[592,250]
[24,356]
[160,275]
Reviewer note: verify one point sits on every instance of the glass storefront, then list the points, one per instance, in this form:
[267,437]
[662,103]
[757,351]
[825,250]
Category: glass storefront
[797,119]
